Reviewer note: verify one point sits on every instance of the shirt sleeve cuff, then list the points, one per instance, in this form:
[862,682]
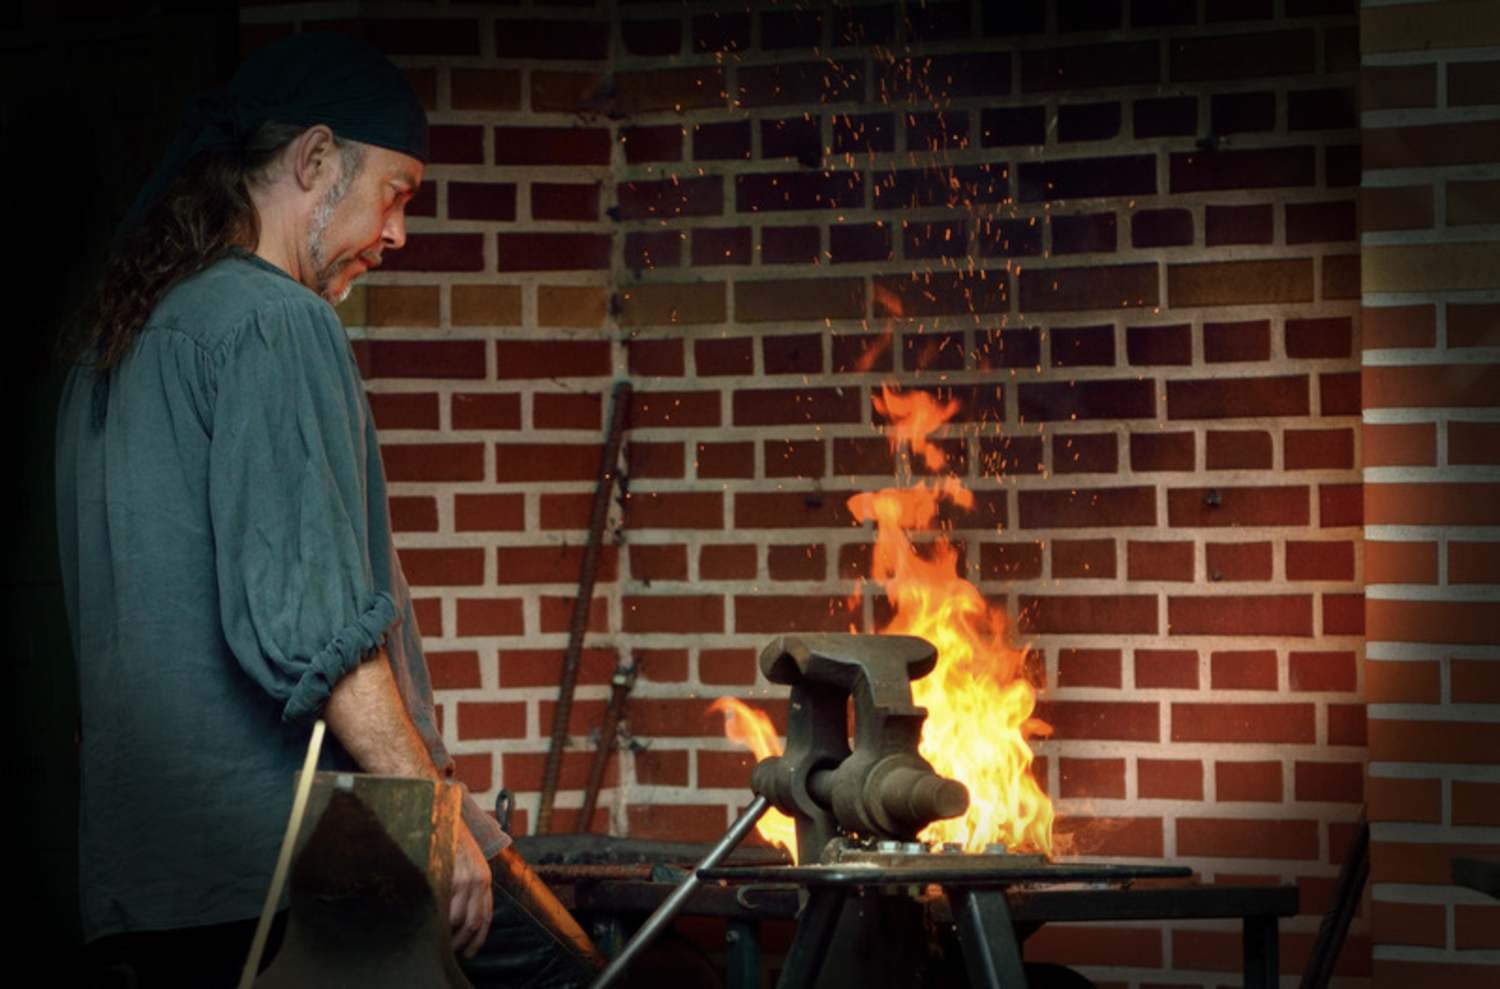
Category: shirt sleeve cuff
[349,648]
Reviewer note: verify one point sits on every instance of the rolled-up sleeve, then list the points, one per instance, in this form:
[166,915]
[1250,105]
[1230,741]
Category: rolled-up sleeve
[299,599]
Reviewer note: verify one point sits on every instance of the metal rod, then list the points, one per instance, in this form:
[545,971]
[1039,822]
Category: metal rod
[663,914]
[624,678]
[609,469]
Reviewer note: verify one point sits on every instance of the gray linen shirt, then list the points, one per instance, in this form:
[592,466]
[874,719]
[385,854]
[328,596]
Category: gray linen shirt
[227,557]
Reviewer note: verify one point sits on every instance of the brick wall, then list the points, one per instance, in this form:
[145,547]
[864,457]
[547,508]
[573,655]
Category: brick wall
[1431,265]
[1122,234]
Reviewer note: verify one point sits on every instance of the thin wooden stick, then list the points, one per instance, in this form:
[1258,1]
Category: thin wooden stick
[284,860]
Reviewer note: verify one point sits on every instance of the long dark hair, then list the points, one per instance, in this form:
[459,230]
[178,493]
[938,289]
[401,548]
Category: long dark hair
[205,213]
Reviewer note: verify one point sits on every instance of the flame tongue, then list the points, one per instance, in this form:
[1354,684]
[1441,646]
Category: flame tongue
[979,703]
[978,700]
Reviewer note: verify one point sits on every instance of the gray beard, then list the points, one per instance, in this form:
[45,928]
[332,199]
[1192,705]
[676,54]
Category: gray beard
[325,272]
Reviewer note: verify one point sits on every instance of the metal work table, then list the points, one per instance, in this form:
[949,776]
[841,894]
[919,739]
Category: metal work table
[996,912]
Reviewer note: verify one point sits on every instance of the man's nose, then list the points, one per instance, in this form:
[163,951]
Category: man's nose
[394,233]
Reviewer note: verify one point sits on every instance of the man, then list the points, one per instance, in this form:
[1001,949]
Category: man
[225,541]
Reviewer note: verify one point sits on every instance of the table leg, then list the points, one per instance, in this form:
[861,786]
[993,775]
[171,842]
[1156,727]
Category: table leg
[1262,961]
[992,955]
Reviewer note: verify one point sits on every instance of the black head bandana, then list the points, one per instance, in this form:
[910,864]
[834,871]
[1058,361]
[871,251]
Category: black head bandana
[303,80]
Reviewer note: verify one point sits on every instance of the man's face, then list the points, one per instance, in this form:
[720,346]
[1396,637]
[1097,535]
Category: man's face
[362,213]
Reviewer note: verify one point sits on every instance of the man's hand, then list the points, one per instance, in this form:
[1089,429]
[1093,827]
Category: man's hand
[473,897]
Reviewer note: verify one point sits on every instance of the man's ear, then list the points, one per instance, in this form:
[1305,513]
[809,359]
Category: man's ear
[315,157]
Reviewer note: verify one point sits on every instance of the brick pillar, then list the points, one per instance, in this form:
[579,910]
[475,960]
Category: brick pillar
[1431,268]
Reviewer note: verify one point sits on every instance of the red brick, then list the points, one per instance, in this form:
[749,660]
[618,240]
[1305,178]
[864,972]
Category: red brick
[1432,386]
[1169,779]
[730,770]
[1335,782]
[1067,401]
[1010,561]
[477,410]
[1398,326]
[1319,561]
[413,514]
[474,770]
[1087,615]
[780,406]
[806,562]
[1094,287]
[1238,561]
[1322,672]
[1402,444]
[543,667]
[725,460]
[438,252]
[728,562]
[1432,504]
[791,510]
[797,299]
[443,567]
[1318,449]
[1463,742]
[490,616]
[1130,721]
[669,510]
[1085,778]
[1083,558]
[1160,561]
[1473,325]
[552,251]
[1339,394]
[727,667]
[795,458]
[1421,924]
[1251,723]
[424,359]
[1460,623]
[656,358]
[1086,508]
[404,411]
[662,665]
[1425,863]
[1238,450]
[672,90]
[1476,926]
[552,146]
[654,563]
[1473,443]
[456,670]
[1247,782]
[1246,614]
[1419,146]
[656,766]
[1418,801]
[1475,804]
[1234,507]
[456,144]
[491,719]
[1475,681]
[1246,670]
[551,564]
[1238,398]
[1166,668]
[421,35]
[645,460]
[772,614]
[522,359]
[567,411]
[484,89]
[489,512]
[1093,835]
[525,771]
[686,614]
[434,461]
[1295,840]
[547,461]
[674,409]
[677,822]
[1088,668]
[661,199]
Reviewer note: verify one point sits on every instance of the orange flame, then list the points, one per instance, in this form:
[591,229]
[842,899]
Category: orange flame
[751,728]
[978,699]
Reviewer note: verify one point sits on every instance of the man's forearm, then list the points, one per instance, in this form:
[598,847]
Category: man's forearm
[366,714]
